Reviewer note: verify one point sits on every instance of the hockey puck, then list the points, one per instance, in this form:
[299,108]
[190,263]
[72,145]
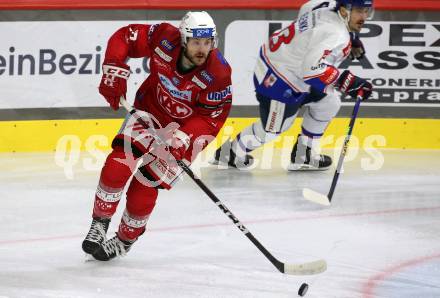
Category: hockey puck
[303,289]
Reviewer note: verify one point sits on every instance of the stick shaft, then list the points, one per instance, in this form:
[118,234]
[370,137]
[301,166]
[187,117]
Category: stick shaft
[345,147]
[279,265]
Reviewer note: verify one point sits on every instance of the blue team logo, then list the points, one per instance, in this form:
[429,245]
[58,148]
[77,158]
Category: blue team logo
[167,44]
[202,32]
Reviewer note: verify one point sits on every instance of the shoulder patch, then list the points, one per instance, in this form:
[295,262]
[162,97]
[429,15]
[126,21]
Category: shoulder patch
[152,29]
[303,22]
[167,44]
[207,76]
[162,54]
[199,82]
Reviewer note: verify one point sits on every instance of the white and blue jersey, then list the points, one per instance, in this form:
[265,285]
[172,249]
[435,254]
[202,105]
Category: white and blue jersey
[317,4]
[305,54]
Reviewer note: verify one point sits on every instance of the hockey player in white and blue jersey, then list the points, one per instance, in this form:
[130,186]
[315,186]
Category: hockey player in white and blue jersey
[357,47]
[298,67]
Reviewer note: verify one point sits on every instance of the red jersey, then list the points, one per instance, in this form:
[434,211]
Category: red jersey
[199,101]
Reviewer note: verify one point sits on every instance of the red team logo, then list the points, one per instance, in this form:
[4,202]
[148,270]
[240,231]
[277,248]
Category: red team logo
[325,55]
[173,107]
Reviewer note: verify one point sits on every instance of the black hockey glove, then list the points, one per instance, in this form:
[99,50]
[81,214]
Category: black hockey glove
[350,84]
[357,47]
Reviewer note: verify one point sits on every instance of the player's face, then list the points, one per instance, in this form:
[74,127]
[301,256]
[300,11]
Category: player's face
[358,17]
[197,49]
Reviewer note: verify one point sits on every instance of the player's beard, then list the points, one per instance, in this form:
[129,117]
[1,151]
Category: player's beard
[197,58]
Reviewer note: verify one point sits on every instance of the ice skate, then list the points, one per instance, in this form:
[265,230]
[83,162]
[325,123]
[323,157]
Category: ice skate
[112,248]
[226,156]
[304,158]
[96,235]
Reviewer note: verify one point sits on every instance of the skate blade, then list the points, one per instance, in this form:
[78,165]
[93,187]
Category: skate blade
[315,197]
[89,258]
[304,167]
[214,162]
[220,164]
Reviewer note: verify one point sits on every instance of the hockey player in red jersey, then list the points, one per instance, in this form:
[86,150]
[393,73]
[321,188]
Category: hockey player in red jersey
[187,95]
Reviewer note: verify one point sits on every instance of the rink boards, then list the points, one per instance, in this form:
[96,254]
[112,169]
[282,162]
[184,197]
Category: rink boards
[48,79]
[97,134]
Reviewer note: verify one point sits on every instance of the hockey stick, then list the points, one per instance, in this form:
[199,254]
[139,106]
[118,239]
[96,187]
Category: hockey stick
[308,268]
[325,200]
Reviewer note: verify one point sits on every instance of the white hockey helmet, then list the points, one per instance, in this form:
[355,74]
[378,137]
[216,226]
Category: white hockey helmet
[197,24]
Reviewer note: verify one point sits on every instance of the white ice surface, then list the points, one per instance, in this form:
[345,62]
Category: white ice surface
[381,236]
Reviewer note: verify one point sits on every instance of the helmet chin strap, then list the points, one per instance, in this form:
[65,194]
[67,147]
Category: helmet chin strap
[188,58]
[346,19]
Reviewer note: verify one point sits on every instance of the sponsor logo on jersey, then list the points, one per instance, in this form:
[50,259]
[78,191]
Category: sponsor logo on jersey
[319,66]
[332,75]
[152,29]
[173,107]
[329,75]
[270,80]
[303,22]
[162,54]
[220,95]
[167,44]
[347,49]
[161,64]
[198,82]
[173,90]
[288,93]
[206,76]
[176,81]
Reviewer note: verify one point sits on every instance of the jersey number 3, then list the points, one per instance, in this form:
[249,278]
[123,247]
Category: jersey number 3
[284,36]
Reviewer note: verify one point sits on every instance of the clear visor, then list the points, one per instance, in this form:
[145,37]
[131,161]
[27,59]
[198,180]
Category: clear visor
[213,39]
[367,11]
[370,13]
